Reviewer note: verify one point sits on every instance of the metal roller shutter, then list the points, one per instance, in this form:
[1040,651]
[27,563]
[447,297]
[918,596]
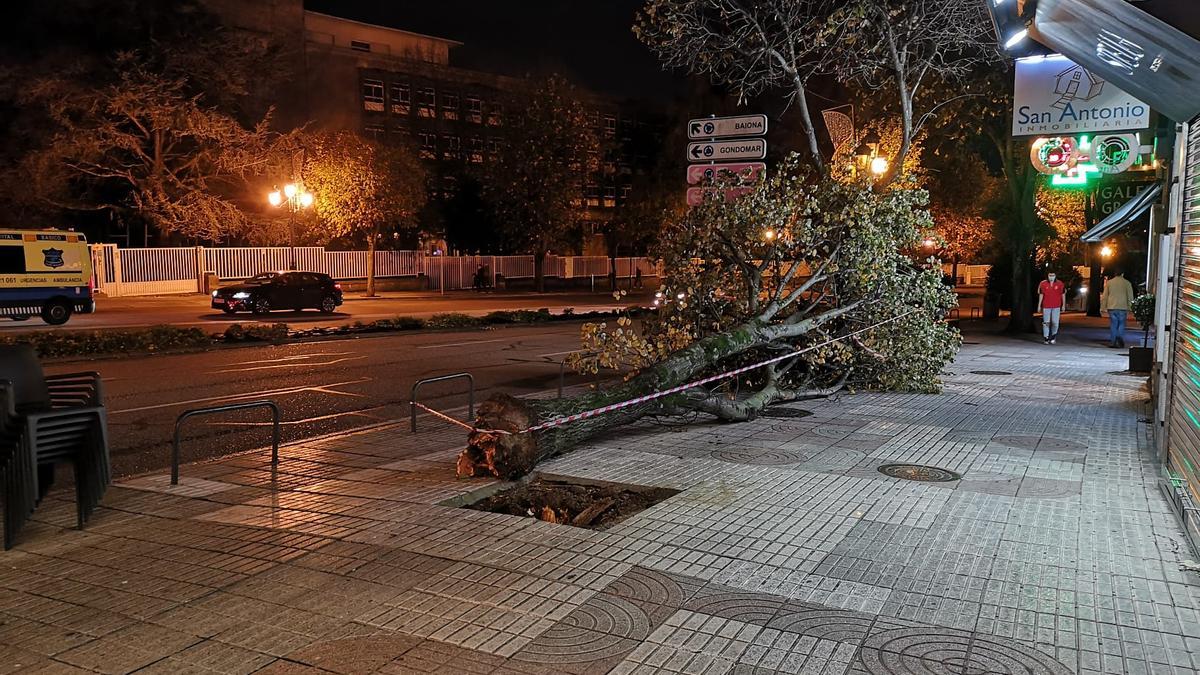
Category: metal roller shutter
[1184,436]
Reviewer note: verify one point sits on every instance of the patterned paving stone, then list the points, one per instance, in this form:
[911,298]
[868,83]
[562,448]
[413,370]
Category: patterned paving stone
[648,585]
[1046,488]
[822,622]
[931,651]
[755,608]
[760,457]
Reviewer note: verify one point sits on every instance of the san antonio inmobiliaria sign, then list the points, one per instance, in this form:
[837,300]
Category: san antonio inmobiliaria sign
[1055,96]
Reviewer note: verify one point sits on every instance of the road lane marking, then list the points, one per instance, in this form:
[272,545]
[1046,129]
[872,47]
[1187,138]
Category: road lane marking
[461,344]
[249,394]
[289,365]
[365,412]
[297,357]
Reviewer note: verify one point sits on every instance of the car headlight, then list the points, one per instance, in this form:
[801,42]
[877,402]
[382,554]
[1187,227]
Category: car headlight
[240,296]
[214,294]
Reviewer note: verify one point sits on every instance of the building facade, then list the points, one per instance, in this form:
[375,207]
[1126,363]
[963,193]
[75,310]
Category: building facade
[397,86]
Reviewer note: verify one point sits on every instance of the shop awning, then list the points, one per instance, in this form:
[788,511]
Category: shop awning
[1126,214]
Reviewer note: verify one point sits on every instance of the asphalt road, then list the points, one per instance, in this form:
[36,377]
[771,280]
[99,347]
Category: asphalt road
[195,310]
[321,386]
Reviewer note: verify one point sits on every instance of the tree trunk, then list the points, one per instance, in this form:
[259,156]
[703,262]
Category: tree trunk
[1021,319]
[612,266]
[371,266]
[539,270]
[1095,281]
[514,454]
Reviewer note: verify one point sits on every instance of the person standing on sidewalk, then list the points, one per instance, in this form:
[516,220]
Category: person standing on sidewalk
[1051,293]
[1116,300]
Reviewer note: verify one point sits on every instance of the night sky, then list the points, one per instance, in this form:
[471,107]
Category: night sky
[589,41]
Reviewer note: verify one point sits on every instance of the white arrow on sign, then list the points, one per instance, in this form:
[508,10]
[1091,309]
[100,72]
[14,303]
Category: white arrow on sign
[717,151]
[721,127]
[748,172]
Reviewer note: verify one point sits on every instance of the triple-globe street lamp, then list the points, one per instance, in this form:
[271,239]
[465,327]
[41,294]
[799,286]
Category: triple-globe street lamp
[295,199]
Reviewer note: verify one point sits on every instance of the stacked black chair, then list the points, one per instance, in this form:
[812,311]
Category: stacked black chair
[45,420]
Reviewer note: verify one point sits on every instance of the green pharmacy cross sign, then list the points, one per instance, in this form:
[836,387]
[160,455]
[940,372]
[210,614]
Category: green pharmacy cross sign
[1072,160]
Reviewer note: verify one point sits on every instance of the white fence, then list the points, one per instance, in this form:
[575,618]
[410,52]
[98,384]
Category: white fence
[159,271]
[972,275]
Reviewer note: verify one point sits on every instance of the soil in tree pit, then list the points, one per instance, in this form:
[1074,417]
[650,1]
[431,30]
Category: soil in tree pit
[592,505]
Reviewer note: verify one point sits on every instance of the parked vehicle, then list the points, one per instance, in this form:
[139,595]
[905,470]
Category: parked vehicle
[45,272]
[269,291]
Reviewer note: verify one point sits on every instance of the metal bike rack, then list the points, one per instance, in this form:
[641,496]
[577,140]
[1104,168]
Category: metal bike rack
[416,385]
[225,408]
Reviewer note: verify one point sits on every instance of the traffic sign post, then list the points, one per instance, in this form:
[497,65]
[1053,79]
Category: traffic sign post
[724,127]
[715,151]
[746,172]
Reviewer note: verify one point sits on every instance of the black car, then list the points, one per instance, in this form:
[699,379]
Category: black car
[280,290]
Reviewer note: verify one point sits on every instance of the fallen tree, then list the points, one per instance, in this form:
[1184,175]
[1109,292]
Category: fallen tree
[794,264]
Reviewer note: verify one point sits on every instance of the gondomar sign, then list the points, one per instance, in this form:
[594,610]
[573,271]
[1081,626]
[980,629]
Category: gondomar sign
[1055,96]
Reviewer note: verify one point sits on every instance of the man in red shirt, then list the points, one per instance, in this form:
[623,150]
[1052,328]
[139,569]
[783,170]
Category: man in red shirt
[1051,293]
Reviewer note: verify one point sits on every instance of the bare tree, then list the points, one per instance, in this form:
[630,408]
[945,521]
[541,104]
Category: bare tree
[898,46]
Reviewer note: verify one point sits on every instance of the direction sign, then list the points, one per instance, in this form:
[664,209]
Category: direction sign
[748,172]
[751,148]
[696,195]
[722,127]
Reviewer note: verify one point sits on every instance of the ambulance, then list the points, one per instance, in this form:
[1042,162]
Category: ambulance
[45,272]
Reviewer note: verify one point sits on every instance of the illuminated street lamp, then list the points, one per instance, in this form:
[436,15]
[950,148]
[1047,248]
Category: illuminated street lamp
[1106,251]
[296,199]
[879,166]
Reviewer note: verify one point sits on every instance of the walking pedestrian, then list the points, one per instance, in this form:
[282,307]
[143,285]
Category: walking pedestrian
[1116,300]
[1051,293]
[637,279]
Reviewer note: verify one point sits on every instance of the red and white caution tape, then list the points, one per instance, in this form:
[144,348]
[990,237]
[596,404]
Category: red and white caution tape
[568,419]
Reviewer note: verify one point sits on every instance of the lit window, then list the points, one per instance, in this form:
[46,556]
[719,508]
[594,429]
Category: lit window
[610,197]
[474,110]
[495,117]
[428,149]
[449,106]
[475,155]
[360,46]
[426,100]
[401,99]
[592,192]
[451,147]
[372,95]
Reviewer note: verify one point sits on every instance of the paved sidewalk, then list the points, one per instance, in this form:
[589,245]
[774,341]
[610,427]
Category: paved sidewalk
[785,551]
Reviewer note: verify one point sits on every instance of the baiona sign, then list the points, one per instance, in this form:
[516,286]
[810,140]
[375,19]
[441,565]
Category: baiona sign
[751,148]
[1055,96]
[722,127]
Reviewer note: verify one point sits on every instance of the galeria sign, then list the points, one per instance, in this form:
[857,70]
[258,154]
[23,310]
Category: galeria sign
[1054,96]
[722,127]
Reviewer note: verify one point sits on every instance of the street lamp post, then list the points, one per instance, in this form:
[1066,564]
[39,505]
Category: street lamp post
[295,198]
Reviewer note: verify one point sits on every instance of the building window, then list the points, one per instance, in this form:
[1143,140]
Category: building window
[374,131]
[495,116]
[449,106]
[401,133]
[401,99]
[610,126]
[610,197]
[625,189]
[428,149]
[451,147]
[360,46]
[426,102]
[449,186]
[372,95]
[474,110]
[592,192]
[494,146]
[475,154]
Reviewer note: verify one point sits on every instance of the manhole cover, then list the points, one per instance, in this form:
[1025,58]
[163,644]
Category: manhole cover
[784,413]
[990,372]
[926,474]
